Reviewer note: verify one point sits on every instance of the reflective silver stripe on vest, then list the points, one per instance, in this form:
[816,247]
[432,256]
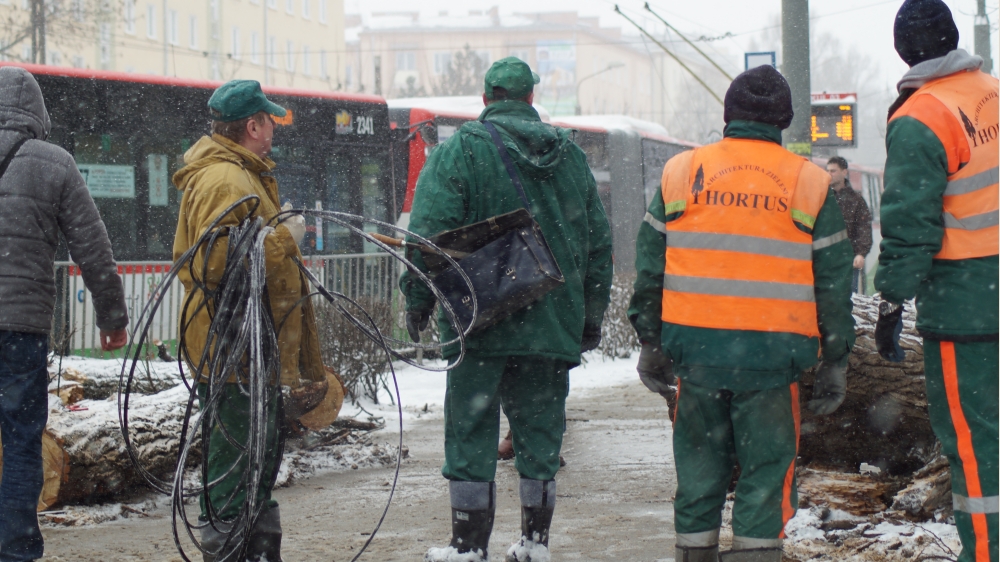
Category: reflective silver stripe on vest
[989,504]
[974,222]
[651,221]
[973,183]
[740,243]
[739,288]
[830,240]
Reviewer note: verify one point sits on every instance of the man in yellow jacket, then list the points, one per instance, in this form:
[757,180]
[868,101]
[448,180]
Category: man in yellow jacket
[220,169]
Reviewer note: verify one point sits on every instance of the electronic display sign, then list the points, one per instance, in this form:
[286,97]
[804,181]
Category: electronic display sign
[833,123]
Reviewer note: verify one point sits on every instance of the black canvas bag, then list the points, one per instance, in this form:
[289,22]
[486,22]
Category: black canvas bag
[509,262]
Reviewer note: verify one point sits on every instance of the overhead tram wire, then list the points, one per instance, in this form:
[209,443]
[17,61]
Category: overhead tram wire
[688,41]
[243,351]
[675,57]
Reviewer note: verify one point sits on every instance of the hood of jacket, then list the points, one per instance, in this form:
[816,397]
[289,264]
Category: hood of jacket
[214,150]
[538,146]
[22,108]
[956,61]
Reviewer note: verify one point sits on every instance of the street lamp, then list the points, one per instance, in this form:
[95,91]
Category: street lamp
[612,66]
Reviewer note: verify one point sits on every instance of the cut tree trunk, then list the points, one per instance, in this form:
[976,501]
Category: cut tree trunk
[55,470]
[84,454]
[884,420]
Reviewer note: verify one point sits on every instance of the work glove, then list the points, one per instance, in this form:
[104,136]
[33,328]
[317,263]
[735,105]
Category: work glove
[591,339]
[887,330]
[296,224]
[830,388]
[416,322]
[656,370]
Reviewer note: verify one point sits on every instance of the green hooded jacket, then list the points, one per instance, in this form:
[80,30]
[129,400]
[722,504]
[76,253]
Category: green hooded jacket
[743,360]
[464,181]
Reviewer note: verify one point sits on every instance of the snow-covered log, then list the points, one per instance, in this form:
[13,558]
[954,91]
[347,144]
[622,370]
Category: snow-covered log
[99,466]
[883,421]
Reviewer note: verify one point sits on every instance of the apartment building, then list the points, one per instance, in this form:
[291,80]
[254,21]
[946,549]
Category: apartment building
[584,67]
[294,43]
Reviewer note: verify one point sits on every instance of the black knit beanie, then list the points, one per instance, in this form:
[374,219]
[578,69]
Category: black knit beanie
[924,30]
[760,94]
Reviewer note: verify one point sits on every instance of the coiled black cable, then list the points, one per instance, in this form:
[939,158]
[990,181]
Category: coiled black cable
[241,349]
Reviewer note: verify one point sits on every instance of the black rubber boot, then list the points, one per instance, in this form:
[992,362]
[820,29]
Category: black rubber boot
[473,505]
[696,554]
[213,539]
[265,539]
[538,504]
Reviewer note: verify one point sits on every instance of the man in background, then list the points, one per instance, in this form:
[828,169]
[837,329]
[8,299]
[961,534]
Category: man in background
[43,195]
[857,218]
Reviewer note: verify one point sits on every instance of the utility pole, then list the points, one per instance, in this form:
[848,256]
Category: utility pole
[983,46]
[38,31]
[165,38]
[267,61]
[795,67]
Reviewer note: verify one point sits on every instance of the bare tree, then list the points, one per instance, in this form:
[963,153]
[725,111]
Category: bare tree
[412,90]
[464,75]
[72,24]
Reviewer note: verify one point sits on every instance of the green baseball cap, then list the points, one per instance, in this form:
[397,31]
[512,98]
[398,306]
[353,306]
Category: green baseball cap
[511,74]
[239,99]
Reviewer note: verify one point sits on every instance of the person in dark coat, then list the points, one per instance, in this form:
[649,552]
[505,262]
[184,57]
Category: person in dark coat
[857,217]
[43,195]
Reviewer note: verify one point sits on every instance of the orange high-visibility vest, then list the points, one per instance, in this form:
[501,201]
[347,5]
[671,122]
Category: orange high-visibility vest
[962,111]
[735,258]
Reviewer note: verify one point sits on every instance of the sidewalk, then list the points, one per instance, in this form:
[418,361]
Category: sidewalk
[614,499]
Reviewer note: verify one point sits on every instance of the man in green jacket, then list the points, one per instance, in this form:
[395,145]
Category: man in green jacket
[940,245]
[743,275]
[521,362]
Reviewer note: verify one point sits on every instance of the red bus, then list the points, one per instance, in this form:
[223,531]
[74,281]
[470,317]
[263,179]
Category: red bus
[128,134]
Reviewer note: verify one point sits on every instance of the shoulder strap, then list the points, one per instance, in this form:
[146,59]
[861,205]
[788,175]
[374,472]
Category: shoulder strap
[10,155]
[508,163]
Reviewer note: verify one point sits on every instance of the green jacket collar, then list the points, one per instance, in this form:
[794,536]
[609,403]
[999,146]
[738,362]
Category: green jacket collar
[752,130]
[510,108]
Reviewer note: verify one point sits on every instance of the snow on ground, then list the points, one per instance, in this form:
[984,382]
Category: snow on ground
[422,394]
[820,534]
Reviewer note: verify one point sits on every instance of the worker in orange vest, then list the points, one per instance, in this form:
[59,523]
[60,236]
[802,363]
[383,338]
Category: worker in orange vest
[744,277]
[940,244]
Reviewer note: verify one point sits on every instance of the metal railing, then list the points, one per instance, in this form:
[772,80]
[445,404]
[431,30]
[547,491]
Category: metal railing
[372,276]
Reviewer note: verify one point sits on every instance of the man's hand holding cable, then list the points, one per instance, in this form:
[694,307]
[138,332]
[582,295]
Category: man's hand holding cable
[887,330]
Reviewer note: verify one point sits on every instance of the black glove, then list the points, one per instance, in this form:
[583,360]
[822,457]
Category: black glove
[656,370]
[591,339]
[416,322]
[887,331]
[830,388]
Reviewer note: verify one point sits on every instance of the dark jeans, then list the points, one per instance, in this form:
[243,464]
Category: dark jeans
[23,413]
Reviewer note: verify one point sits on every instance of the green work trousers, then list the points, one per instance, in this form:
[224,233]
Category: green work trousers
[533,393]
[714,428]
[229,462]
[962,396]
